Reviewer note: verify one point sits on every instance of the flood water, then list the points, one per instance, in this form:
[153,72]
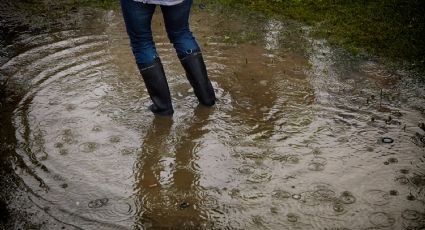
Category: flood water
[303,135]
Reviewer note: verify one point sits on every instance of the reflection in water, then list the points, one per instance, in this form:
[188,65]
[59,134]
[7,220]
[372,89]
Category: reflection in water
[171,198]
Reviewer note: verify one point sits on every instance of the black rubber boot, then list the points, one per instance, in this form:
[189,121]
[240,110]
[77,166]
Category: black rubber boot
[157,86]
[196,73]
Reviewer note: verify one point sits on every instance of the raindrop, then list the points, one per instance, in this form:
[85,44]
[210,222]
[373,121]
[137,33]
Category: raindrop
[402,179]
[98,203]
[381,219]
[347,198]
[377,197]
[411,197]
[404,171]
[88,147]
[114,139]
[393,192]
[292,217]
[316,166]
[392,160]
[246,169]
[274,210]
[410,214]
[96,128]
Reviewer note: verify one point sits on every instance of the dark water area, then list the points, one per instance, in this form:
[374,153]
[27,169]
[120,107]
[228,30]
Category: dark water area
[304,135]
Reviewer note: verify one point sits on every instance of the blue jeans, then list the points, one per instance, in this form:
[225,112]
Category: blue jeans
[138,18]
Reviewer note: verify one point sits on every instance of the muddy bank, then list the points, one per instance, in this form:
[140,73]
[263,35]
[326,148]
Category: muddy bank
[303,136]
[390,30]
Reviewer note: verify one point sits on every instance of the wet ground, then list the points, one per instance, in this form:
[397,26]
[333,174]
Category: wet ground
[303,136]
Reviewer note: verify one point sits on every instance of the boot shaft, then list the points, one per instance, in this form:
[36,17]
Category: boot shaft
[196,73]
[157,86]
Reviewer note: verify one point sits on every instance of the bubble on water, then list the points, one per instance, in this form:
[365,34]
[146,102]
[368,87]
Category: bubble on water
[314,166]
[387,140]
[97,128]
[409,214]
[324,194]
[381,219]
[338,207]
[252,195]
[128,151]
[63,152]
[291,217]
[98,203]
[88,147]
[377,197]
[292,159]
[317,164]
[259,177]
[308,198]
[289,158]
[246,169]
[296,196]
[281,194]
[58,177]
[67,137]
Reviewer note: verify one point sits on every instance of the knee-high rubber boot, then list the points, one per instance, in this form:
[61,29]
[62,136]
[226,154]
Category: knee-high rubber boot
[157,86]
[196,73]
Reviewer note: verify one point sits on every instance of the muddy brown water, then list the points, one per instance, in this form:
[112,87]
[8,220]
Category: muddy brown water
[303,136]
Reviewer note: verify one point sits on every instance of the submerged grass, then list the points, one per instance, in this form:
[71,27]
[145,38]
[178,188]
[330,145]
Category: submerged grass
[386,28]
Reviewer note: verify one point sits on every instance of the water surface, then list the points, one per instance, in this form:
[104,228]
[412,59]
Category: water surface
[303,136]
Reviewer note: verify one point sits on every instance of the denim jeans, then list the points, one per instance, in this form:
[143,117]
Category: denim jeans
[138,17]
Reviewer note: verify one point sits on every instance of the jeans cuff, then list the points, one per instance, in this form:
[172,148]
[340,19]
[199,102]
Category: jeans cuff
[189,52]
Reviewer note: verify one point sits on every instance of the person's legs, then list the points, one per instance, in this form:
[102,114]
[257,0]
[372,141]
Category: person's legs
[176,20]
[138,18]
